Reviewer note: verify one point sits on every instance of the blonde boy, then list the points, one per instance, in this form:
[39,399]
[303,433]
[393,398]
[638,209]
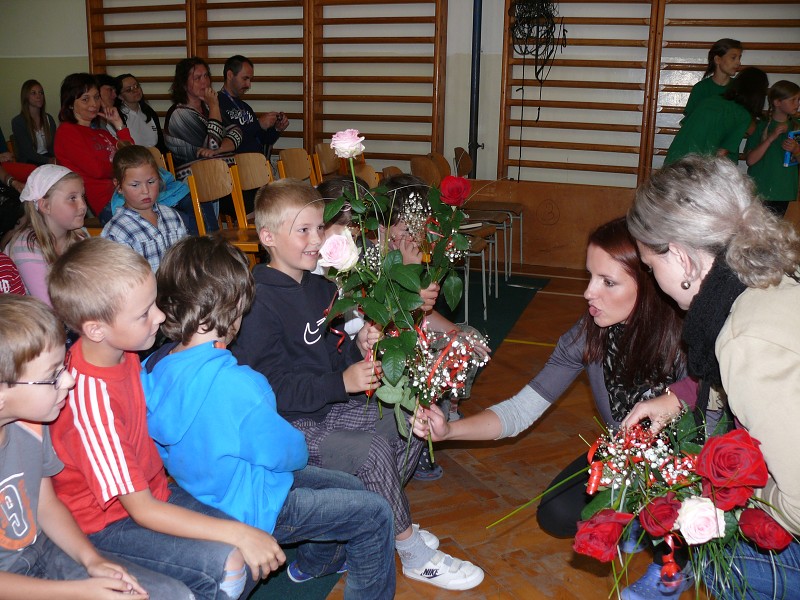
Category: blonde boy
[113,480]
[39,540]
[314,371]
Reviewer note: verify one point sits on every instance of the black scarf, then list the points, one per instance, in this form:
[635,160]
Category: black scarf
[707,314]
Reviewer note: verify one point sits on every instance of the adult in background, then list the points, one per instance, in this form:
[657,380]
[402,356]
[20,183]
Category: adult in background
[139,117]
[83,145]
[34,129]
[718,252]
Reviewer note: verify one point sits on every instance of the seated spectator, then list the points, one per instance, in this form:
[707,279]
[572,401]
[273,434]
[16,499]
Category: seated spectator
[141,223]
[54,208]
[83,145]
[107,86]
[34,129]
[139,117]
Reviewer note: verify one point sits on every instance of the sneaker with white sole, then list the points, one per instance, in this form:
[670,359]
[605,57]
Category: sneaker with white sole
[431,541]
[447,572]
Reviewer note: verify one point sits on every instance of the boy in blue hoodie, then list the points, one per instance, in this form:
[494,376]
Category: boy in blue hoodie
[217,429]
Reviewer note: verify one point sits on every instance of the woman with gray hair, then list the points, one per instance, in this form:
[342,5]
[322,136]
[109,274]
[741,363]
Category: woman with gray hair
[719,253]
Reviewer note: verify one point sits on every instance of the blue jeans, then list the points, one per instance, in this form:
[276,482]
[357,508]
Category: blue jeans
[197,563]
[757,575]
[44,560]
[340,520]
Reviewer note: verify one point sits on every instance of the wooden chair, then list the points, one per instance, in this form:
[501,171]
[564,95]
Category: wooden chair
[391,171]
[463,162]
[368,174]
[502,221]
[212,179]
[441,164]
[477,249]
[424,168]
[170,163]
[252,172]
[514,210]
[296,163]
[325,161]
[10,145]
[158,156]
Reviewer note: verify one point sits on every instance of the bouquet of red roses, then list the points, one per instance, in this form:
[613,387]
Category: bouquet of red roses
[682,492]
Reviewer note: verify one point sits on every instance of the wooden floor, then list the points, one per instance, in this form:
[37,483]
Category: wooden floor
[484,481]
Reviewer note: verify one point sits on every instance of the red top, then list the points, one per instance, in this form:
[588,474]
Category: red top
[101,436]
[10,281]
[90,152]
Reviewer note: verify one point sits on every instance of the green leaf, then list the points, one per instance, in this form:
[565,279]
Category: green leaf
[333,208]
[370,224]
[453,289]
[379,291]
[392,394]
[340,307]
[437,257]
[392,259]
[409,401]
[408,341]
[404,275]
[375,311]
[393,363]
[409,300]
[400,417]
[731,526]
[600,501]
[358,206]
[403,319]
[354,281]
[435,202]
[461,242]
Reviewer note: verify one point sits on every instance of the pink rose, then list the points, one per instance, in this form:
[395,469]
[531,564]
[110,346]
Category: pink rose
[700,521]
[347,143]
[339,251]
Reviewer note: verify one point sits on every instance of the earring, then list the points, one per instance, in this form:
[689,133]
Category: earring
[686,284]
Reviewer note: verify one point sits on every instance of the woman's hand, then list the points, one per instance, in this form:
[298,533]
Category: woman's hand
[112,116]
[660,411]
[430,421]
[206,153]
[211,98]
[410,251]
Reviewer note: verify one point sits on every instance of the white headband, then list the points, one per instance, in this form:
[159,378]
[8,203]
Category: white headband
[40,181]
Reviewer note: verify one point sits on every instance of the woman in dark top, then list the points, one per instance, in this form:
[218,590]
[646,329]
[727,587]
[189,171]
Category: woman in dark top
[34,129]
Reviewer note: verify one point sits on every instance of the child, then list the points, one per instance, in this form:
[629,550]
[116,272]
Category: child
[114,481]
[141,223]
[204,409]
[766,148]
[10,281]
[716,127]
[55,208]
[724,60]
[39,540]
[314,371]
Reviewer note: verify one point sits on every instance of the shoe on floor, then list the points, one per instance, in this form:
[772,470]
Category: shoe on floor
[296,575]
[427,470]
[447,572]
[651,587]
[431,541]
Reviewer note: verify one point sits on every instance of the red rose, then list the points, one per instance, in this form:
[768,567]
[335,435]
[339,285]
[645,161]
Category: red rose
[598,537]
[659,515]
[454,190]
[726,498]
[763,530]
[732,460]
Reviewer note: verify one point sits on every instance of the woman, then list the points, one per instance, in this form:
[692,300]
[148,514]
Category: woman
[140,118]
[83,145]
[34,129]
[722,255]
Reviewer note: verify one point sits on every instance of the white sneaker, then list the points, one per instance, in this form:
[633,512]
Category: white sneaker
[431,541]
[447,572]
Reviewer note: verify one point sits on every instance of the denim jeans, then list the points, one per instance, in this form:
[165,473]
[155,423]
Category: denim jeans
[340,520]
[758,575]
[197,563]
[44,560]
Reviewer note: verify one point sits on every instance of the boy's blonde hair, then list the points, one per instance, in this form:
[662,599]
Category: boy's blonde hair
[90,281]
[28,328]
[275,201]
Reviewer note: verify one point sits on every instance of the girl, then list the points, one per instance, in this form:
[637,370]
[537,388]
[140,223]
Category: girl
[54,207]
[733,265]
[34,129]
[765,150]
[140,118]
[141,223]
[724,60]
[718,124]
[83,145]
[628,342]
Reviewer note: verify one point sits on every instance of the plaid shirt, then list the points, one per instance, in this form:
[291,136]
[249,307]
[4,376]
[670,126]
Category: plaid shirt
[129,228]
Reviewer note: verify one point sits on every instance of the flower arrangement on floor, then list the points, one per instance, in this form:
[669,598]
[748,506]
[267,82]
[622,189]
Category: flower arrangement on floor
[682,493]
[417,364]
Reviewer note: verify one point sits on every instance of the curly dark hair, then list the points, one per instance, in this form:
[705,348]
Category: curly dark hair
[73,87]
[182,72]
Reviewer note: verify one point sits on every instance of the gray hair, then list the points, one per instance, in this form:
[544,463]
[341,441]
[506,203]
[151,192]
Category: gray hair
[707,205]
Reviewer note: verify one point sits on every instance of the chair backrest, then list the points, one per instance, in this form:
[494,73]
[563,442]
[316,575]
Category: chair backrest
[441,164]
[367,173]
[424,168]
[295,162]
[463,162]
[254,170]
[391,171]
[210,180]
[325,160]
[158,156]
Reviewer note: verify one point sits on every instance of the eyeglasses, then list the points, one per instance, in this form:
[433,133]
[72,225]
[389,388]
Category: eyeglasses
[57,376]
[131,88]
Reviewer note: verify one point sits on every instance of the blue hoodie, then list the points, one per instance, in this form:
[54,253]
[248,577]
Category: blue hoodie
[215,425]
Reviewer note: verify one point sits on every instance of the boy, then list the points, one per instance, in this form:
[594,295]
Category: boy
[39,539]
[114,481]
[314,371]
[205,409]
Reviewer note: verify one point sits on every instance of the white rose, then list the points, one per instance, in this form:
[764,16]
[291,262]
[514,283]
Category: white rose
[339,251]
[700,521]
[347,143]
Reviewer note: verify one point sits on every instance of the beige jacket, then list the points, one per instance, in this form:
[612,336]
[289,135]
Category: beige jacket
[758,350]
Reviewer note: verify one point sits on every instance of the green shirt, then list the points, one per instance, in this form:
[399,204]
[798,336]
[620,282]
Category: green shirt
[774,182]
[705,88]
[714,125]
